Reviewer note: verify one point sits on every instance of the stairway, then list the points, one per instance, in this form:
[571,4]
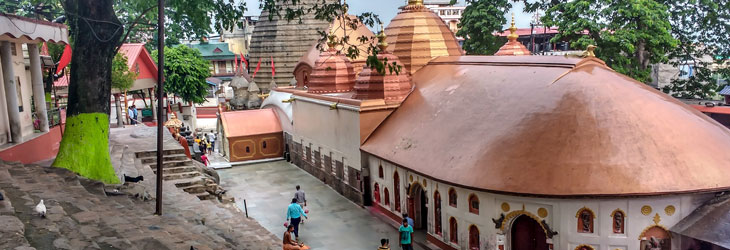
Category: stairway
[182,172]
[81,216]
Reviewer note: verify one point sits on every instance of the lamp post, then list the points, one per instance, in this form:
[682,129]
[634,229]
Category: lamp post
[160,87]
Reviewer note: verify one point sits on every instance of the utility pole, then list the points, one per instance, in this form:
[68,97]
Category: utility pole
[160,87]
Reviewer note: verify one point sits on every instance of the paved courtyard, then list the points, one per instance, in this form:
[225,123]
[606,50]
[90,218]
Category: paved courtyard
[334,222]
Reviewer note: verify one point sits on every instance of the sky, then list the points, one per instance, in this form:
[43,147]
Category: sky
[387,9]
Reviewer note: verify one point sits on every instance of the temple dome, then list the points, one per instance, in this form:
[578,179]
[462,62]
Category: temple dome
[417,35]
[513,47]
[391,87]
[551,126]
[332,73]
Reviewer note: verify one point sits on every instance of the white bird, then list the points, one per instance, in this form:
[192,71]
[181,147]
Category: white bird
[41,209]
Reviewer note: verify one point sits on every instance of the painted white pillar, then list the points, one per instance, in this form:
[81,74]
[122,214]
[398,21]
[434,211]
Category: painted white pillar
[11,92]
[39,94]
[118,104]
[153,103]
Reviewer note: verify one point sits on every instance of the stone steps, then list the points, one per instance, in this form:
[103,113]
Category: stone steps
[176,170]
[173,164]
[178,176]
[152,160]
[148,154]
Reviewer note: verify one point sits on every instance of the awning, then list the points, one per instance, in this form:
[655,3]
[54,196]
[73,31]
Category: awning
[213,81]
[710,222]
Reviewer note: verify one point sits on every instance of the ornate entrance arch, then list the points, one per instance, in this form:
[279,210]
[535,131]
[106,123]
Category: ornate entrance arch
[527,234]
[417,209]
[655,237]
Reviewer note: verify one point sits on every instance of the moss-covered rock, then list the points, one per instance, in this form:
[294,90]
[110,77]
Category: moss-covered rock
[85,147]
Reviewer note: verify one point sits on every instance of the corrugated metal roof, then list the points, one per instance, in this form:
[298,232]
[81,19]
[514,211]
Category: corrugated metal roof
[725,90]
[250,122]
[710,222]
[213,51]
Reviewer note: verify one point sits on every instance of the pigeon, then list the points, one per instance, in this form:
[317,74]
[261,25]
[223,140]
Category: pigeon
[41,209]
[133,179]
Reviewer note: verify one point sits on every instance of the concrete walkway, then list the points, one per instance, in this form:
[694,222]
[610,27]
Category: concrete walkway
[334,222]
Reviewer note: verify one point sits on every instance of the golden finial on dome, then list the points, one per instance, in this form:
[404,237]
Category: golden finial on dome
[382,44]
[415,2]
[345,7]
[512,29]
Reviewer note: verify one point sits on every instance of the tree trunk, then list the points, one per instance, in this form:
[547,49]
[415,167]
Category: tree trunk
[118,104]
[95,32]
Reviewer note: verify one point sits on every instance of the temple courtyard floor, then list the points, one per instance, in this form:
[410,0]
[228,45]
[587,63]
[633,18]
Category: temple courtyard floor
[334,221]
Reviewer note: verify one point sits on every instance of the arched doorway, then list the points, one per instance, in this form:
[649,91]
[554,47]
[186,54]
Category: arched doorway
[655,237]
[473,237]
[527,234]
[417,206]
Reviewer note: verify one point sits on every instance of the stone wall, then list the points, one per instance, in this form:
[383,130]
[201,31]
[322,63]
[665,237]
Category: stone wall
[344,179]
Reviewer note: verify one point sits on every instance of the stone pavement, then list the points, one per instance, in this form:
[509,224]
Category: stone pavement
[83,215]
[334,221]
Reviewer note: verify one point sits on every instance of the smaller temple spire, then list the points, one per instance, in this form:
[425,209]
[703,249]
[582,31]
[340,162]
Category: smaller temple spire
[512,35]
[512,47]
[382,44]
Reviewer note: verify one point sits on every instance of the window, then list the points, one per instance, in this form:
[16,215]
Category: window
[248,150]
[474,204]
[376,192]
[380,171]
[585,220]
[618,221]
[453,234]
[473,237]
[387,196]
[229,67]
[437,212]
[452,197]
[396,185]
[263,144]
[13,49]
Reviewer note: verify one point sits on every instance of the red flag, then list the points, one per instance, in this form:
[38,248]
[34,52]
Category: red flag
[65,59]
[258,66]
[244,60]
[273,69]
[235,66]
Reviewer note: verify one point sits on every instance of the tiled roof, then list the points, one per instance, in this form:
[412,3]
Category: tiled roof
[725,90]
[213,51]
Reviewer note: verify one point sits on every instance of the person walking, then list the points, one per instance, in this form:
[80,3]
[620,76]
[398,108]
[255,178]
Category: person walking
[289,243]
[134,112]
[294,214]
[410,221]
[211,139]
[130,115]
[405,232]
[204,159]
[384,244]
[301,198]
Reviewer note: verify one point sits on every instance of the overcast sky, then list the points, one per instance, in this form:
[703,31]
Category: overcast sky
[387,9]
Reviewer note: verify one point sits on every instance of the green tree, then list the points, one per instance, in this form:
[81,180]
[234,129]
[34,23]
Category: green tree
[97,34]
[480,21]
[630,35]
[702,28]
[185,73]
[122,77]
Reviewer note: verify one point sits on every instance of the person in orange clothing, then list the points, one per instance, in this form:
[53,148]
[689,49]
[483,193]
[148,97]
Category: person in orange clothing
[184,142]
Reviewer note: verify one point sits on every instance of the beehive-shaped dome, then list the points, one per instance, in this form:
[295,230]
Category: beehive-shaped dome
[332,73]
[416,35]
[391,87]
[513,47]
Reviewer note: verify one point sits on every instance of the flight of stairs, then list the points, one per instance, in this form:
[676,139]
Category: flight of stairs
[182,172]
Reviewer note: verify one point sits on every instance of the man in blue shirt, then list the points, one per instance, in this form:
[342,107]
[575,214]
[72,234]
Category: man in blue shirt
[410,221]
[295,213]
[405,231]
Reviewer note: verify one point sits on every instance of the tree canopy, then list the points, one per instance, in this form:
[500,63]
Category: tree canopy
[185,73]
[630,35]
[481,19]
[122,77]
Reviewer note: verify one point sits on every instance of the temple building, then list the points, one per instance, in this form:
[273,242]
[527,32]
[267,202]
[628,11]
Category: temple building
[508,152]
[284,41]
[26,125]
[417,35]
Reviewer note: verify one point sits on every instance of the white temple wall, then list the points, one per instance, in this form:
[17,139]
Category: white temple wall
[561,214]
